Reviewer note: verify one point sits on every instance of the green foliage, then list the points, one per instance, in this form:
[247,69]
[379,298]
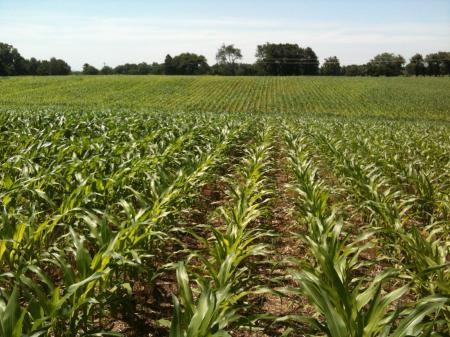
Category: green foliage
[438,63]
[351,304]
[172,219]
[331,67]
[226,57]
[186,64]
[396,98]
[89,70]
[287,59]
[386,64]
[416,66]
[11,316]
[228,278]
[12,63]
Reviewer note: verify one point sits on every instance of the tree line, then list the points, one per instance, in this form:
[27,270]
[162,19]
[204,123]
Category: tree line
[388,64]
[12,63]
[282,59]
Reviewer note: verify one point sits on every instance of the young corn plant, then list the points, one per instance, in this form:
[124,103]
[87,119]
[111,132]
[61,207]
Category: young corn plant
[423,260]
[68,252]
[351,305]
[11,314]
[226,280]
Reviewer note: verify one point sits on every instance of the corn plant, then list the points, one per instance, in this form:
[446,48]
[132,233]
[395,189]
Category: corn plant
[351,305]
[227,279]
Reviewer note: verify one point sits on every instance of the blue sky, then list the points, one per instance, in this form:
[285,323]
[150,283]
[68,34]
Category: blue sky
[115,32]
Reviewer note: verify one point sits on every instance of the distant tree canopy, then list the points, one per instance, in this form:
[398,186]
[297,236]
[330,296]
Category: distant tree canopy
[284,59]
[386,64]
[271,59]
[168,67]
[416,66]
[186,64]
[331,67]
[228,54]
[12,63]
[106,70]
[137,69]
[354,70]
[90,70]
[58,67]
[240,69]
[287,59]
[438,63]
[226,58]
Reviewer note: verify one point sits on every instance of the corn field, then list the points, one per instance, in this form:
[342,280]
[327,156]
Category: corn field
[127,223]
[399,98]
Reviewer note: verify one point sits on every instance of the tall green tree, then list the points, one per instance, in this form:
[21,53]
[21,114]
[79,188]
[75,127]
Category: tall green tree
[445,62]
[416,66]
[354,70]
[157,69]
[287,59]
[226,58]
[438,63]
[190,64]
[89,70]
[58,67]
[43,68]
[311,62]
[331,67]
[106,70]
[386,64]
[32,66]
[169,68]
[11,62]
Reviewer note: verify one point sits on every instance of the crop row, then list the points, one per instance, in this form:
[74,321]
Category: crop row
[166,223]
[407,98]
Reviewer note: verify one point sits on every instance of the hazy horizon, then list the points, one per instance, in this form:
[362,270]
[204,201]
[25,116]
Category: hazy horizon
[118,32]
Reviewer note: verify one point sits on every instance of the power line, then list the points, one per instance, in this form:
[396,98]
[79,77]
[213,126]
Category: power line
[314,61]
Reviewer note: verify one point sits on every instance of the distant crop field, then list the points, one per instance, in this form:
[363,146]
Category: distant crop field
[138,206]
[387,97]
